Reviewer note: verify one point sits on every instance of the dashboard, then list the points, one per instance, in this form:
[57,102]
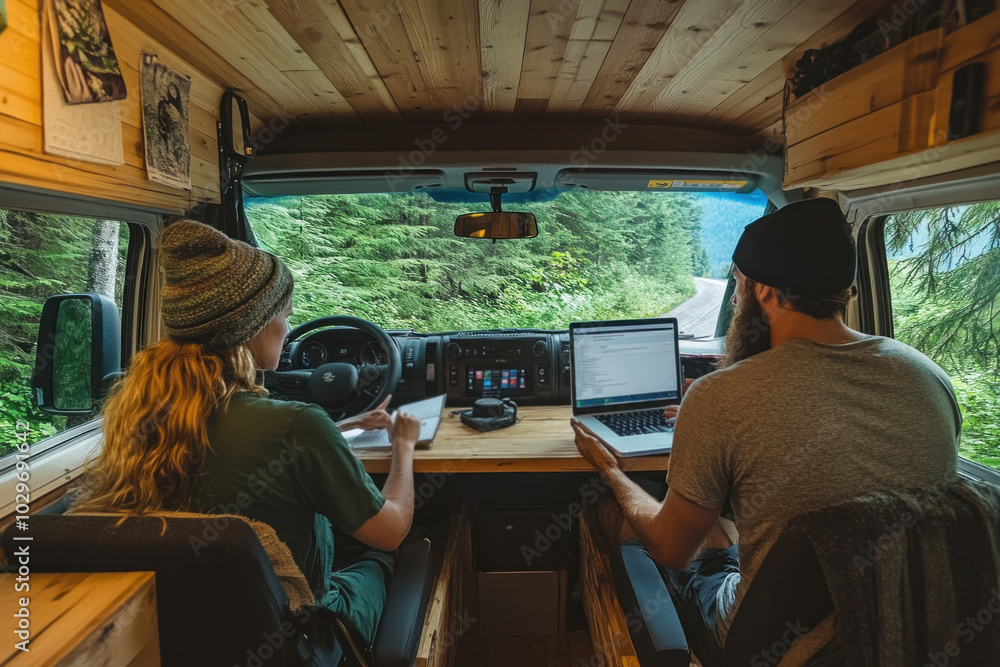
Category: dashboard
[530,366]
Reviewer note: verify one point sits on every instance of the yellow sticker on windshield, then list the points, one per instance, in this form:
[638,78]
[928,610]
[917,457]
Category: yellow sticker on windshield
[710,185]
[695,184]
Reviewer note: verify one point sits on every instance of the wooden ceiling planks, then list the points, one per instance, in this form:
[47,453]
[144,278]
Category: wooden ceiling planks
[594,29]
[503,26]
[695,23]
[642,27]
[326,35]
[549,25]
[705,63]
[444,35]
[165,29]
[722,52]
[379,26]
[246,35]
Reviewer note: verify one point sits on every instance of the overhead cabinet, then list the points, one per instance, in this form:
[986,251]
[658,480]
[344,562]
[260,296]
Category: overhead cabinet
[888,119]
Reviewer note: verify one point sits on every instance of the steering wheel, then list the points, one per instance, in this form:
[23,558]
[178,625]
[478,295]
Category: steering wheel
[340,388]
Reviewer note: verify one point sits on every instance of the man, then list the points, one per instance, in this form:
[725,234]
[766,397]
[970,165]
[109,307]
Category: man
[804,412]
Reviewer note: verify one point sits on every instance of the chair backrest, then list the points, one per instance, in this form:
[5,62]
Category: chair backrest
[218,598]
[788,596]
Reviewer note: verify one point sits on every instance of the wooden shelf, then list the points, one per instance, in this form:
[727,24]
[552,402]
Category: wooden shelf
[86,618]
[886,120]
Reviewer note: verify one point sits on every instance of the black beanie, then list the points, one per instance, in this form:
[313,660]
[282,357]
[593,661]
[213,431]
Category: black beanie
[802,249]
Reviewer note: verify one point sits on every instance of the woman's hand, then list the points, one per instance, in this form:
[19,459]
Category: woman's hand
[593,449]
[373,420]
[404,431]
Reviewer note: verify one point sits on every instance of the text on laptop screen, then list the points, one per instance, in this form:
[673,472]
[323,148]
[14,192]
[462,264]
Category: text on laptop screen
[622,364]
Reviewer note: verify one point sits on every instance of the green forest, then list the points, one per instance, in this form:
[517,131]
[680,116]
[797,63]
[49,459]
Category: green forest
[42,255]
[944,267]
[394,258]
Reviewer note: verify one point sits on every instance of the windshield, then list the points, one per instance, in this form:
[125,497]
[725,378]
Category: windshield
[393,258]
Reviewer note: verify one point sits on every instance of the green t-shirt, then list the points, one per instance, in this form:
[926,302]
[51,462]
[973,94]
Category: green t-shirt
[286,464]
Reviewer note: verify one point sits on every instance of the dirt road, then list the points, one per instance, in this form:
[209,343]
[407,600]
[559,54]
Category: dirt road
[697,316]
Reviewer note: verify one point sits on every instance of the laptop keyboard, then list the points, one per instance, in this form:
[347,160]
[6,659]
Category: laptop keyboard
[637,423]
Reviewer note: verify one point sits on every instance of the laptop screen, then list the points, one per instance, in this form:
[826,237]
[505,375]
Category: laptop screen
[624,364]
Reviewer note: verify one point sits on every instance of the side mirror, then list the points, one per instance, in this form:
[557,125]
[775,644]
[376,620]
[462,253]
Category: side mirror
[79,345]
[497,225]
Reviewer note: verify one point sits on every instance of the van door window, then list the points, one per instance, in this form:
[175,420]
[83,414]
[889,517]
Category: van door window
[944,270]
[42,255]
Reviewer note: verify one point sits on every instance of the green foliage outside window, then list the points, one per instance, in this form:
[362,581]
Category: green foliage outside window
[393,259]
[944,267]
[42,255]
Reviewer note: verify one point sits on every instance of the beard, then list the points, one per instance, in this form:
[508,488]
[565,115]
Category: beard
[749,332]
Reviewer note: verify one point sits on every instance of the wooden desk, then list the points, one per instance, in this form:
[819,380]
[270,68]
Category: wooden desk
[84,618]
[541,442]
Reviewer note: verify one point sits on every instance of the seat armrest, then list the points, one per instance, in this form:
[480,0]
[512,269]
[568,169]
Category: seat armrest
[649,610]
[398,634]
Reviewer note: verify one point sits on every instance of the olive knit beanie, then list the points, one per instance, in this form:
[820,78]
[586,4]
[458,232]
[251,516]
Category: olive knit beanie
[218,290]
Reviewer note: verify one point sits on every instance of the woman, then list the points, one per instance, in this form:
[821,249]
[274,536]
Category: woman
[189,428]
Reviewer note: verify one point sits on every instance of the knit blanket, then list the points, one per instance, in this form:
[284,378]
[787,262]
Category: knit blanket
[914,575]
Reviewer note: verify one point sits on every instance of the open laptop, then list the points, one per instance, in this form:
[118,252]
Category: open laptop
[625,372]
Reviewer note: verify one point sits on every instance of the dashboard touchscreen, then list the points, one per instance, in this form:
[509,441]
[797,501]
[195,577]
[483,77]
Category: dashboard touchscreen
[497,381]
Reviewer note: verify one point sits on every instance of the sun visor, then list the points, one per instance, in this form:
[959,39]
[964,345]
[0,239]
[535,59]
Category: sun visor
[342,182]
[652,179]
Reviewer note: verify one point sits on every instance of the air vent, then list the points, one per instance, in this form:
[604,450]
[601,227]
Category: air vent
[430,358]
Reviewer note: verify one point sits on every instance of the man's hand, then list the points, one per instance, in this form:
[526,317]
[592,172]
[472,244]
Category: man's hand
[373,420]
[404,431]
[593,449]
[670,412]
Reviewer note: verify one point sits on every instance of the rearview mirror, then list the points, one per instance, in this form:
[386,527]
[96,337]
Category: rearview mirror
[79,347]
[497,225]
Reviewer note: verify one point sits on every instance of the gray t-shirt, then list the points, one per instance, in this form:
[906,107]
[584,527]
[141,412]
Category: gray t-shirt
[805,425]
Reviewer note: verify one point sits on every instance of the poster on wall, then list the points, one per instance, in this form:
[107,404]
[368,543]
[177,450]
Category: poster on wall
[165,111]
[85,58]
[87,132]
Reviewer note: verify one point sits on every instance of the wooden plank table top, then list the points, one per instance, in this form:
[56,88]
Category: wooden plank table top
[84,618]
[541,442]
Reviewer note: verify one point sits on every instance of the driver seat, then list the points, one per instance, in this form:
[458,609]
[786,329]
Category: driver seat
[223,604]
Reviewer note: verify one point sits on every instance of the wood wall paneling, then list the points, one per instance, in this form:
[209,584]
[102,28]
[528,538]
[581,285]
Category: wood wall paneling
[22,160]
